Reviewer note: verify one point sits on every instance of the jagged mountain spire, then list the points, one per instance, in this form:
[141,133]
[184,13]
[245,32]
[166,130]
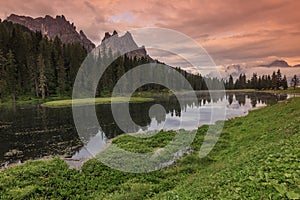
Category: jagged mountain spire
[123,44]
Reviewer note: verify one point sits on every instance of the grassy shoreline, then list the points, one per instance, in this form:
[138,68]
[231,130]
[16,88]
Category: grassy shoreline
[257,156]
[288,91]
[26,100]
[89,101]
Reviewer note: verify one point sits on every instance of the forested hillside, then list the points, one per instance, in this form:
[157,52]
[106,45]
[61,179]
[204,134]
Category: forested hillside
[35,66]
[31,64]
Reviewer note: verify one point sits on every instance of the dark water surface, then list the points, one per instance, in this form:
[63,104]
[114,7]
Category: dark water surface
[32,131]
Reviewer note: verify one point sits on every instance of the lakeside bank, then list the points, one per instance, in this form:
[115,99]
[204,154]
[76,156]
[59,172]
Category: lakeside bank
[257,156]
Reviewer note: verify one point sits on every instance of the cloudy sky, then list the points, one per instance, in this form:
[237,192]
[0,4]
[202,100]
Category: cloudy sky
[232,31]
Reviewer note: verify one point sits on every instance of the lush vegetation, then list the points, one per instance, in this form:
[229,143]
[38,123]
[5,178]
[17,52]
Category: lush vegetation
[100,100]
[256,157]
[290,90]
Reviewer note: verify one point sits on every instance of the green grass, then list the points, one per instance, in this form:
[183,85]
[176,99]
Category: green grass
[290,90]
[152,93]
[256,157]
[242,90]
[99,100]
[24,100]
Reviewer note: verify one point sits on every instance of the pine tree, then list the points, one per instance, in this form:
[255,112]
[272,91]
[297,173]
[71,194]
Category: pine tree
[230,83]
[254,81]
[295,81]
[61,76]
[274,81]
[11,75]
[279,79]
[42,76]
[284,83]
[2,74]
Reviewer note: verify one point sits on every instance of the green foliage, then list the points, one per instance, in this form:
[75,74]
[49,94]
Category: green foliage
[33,65]
[11,75]
[143,145]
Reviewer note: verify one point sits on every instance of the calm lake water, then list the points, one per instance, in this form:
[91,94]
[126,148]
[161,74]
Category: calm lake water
[33,132]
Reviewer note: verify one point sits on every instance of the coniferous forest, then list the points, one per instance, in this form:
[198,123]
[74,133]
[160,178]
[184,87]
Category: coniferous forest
[33,65]
[265,82]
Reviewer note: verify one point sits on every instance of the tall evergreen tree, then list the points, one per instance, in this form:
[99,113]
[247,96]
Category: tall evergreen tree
[11,75]
[2,74]
[274,81]
[295,81]
[230,83]
[279,79]
[61,77]
[42,76]
[284,83]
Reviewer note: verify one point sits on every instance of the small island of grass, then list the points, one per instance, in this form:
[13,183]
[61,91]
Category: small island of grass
[99,100]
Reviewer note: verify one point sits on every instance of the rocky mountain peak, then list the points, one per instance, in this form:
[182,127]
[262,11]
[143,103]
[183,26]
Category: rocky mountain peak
[277,63]
[52,27]
[108,35]
[123,44]
[115,32]
[280,63]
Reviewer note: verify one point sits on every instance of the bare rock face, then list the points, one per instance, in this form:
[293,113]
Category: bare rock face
[123,44]
[53,27]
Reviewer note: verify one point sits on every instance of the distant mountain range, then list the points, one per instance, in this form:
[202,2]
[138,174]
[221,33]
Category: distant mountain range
[53,27]
[279,63]
[285,68]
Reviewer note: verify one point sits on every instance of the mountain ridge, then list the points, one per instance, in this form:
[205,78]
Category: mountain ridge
[279,63]
[53,27]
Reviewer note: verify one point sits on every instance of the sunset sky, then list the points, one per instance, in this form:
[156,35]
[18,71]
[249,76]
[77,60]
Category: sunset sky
[232,31]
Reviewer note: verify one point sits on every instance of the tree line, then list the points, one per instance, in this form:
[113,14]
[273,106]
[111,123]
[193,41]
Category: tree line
[152,71]
[124,63]
[275,81]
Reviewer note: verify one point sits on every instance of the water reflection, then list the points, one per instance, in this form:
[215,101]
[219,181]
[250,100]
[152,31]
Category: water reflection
[31,132]
[237,104]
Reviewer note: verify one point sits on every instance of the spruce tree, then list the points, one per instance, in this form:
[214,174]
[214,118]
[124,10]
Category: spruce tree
[61,76]
[284,83]
[42,76]
[230,83]
[274,81]
[2,74]
[11,75]
[279,79]
[295,81]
